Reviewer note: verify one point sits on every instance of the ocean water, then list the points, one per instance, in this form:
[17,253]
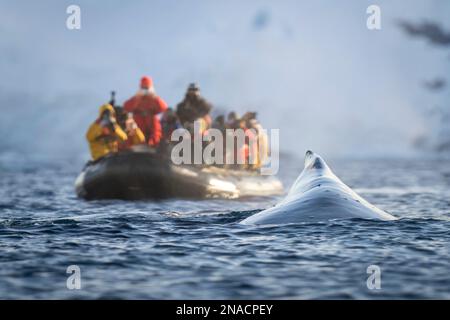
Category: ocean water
[179,249]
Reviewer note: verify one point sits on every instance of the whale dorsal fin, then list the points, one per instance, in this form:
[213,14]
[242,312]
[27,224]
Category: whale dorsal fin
[314,161]
[314,166]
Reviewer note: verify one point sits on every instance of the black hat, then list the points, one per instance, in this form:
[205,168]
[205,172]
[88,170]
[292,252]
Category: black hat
[194,87]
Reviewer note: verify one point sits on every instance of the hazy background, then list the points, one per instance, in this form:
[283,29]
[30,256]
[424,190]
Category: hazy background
[310,68]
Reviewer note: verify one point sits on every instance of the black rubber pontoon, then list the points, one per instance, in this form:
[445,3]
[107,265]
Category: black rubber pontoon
[142,173]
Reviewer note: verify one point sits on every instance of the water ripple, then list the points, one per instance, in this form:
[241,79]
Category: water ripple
[197,250]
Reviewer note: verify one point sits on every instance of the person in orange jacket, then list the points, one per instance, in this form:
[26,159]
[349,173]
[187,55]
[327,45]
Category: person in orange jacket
[104,135]
[146,106]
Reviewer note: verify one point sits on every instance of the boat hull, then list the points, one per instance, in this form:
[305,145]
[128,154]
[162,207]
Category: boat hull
[135,175]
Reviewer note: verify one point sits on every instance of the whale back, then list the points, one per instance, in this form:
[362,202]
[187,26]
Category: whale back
[315,172]
[318,194]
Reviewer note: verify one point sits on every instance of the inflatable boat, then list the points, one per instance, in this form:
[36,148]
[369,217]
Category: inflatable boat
[142,173]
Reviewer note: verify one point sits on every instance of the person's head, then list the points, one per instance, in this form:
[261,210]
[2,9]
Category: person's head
[220,119]
[146,82]
[253,124]
[249,116]
[146,86]
[107,115]
[169,115]
[106,111]
[193,90]
[232,116]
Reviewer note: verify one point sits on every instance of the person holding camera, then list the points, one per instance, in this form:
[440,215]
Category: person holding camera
[104,135]
[135,135]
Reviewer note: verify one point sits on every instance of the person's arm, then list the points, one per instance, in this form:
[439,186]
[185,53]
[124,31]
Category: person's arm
[180,111]
[204,107]
[94,132]
[120,133]
[161,105]
[138,136]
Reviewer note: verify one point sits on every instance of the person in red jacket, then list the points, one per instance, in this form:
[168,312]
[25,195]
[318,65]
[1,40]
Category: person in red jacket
[146,106]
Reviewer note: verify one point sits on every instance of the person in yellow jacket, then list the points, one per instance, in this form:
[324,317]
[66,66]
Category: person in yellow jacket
[104,135]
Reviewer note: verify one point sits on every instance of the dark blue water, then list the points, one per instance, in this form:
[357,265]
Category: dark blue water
[196,249]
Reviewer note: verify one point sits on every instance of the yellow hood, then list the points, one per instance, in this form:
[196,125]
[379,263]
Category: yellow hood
[105,107]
